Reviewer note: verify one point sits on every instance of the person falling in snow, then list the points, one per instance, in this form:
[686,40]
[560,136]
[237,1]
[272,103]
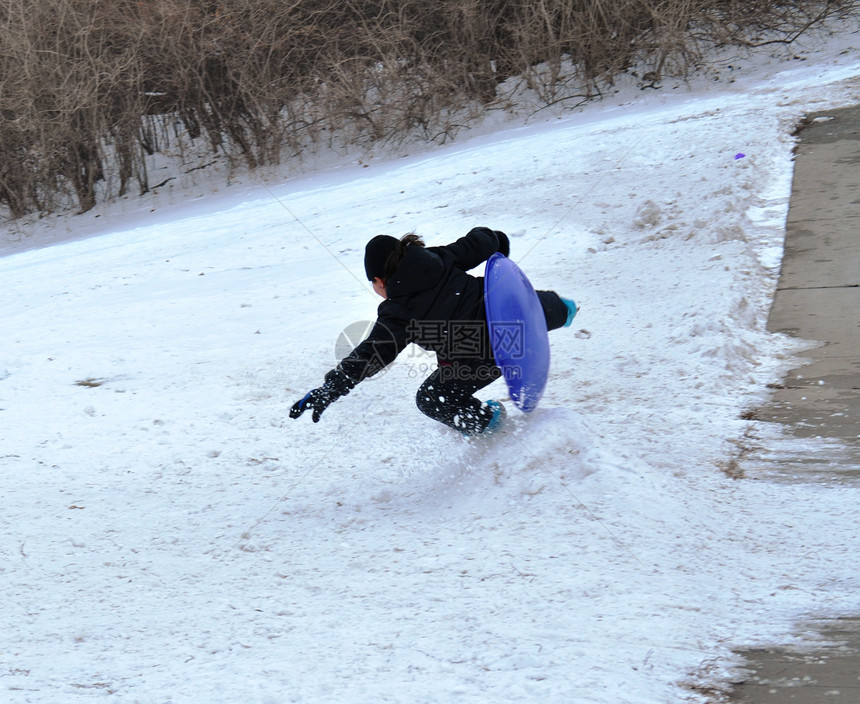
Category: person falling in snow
[432,301]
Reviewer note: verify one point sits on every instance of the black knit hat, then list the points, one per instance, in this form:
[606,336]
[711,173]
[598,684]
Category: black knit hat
[375,254]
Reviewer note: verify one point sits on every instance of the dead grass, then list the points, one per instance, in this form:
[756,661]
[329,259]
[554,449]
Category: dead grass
[89,89]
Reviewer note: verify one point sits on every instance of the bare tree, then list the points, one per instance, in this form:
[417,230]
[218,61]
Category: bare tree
[90,90]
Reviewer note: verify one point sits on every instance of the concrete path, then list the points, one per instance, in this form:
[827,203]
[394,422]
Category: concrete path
[818,298]
[828,675]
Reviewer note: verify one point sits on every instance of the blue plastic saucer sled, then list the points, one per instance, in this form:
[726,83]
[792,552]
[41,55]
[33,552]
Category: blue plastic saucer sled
[518,331]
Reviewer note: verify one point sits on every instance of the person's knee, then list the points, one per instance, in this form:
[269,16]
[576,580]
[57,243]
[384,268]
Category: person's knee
[554,310]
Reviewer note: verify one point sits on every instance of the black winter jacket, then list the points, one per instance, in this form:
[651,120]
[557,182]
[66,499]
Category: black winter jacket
[432,302]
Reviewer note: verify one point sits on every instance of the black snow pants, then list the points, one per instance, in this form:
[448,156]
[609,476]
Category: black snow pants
[447,395]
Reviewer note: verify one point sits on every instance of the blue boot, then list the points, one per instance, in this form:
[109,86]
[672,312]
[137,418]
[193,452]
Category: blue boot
[498,419]
[571,311]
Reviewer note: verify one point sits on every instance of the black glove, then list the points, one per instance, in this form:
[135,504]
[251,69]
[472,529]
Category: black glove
[336,384]
[504,243]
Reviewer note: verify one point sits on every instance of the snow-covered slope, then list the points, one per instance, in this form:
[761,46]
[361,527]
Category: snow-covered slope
[169,535]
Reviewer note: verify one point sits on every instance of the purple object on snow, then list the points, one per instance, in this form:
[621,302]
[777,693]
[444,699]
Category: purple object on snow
[518,333]
[740,155]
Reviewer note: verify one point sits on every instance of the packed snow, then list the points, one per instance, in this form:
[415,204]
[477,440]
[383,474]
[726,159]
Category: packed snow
[170,535]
